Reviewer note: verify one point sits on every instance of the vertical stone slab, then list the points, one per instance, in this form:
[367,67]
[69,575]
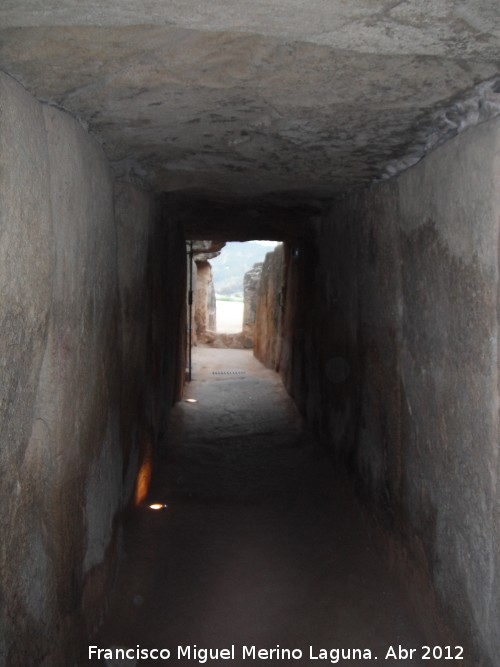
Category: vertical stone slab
[92,331]
[391,351]
[378,447]
[135,213]
[168,320]
[204,300]
[251,282]
[449,243]
[78,391]
[26,267]
[319,351]
[268,309]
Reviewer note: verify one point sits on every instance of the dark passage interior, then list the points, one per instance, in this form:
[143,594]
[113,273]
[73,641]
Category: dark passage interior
[261,544]
[340,489]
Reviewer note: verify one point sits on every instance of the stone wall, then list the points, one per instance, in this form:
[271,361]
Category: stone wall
[85,321]
[391,350]
[251,281]
[270,298]
[204,301]
[151,267]
[204,310]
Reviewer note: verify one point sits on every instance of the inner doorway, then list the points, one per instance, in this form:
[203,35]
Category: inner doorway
[225,294]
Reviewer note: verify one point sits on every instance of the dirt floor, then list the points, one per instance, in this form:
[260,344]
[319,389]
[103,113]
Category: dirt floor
[259,545]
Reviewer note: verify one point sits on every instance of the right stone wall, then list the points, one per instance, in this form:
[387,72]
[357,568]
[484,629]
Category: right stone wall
[390,348]
[269,297]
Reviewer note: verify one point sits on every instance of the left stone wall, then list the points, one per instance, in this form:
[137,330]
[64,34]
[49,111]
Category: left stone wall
[90,364]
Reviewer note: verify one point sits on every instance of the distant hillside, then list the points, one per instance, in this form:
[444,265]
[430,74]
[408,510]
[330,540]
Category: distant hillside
[234,261]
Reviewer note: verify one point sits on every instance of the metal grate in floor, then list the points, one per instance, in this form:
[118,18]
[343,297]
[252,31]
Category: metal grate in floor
[237,372]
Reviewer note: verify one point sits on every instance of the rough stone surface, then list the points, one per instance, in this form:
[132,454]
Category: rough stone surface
[152,277]
[72,417]
[205,250]
[75,337]
[251,281]
[271,295]
[136,214]
[26,240]
[230,341]
[390,349]
[204,302]
[255,98]
[244,219]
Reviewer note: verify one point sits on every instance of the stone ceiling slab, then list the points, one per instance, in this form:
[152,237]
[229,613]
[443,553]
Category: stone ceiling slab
[247,99]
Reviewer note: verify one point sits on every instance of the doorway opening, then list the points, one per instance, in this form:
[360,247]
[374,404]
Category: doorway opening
[226,284]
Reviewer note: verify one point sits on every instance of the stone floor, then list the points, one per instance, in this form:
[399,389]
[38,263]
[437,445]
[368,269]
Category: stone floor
[259,545]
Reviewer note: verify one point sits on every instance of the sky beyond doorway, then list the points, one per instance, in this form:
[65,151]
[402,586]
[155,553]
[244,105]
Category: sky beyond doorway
[236,258]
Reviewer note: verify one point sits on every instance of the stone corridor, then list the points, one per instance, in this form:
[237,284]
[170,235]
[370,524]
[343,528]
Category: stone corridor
[137,137]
